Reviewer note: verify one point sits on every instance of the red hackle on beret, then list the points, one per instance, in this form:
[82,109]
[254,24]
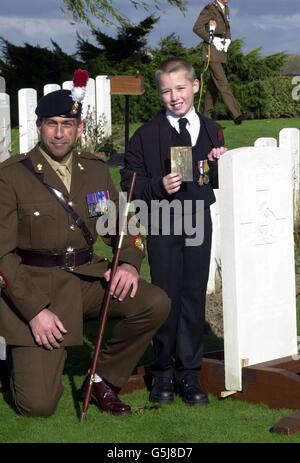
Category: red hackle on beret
[80,77]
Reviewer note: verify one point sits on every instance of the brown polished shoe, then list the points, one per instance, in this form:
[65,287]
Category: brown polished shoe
[106,398]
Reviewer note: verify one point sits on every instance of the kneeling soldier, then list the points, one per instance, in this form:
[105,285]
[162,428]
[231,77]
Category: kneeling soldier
[51,280]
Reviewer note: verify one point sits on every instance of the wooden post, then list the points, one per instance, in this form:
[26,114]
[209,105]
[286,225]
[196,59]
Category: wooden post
[126,122]
[126,85]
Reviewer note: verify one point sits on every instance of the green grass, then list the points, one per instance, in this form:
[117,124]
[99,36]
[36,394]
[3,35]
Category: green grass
[222,421]
[246,133]
[15,141]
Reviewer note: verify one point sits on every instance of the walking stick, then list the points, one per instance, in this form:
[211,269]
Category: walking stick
[106,305]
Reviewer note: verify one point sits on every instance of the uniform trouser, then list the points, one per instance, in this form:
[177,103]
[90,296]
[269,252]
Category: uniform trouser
[36,380]
[218,83]
[182,271]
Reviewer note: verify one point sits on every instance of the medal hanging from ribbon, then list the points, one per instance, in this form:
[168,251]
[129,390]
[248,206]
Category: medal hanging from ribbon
[203,169]
[97,203]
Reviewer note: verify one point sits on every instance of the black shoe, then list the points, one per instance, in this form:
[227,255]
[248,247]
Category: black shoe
[162,390]
[190,391]
[238,120]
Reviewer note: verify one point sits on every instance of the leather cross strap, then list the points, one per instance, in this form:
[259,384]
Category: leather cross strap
[63,202]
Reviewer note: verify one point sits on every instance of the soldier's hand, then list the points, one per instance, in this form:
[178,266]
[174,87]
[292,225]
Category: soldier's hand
[216,153]
[47,329]
[125,279]
[172,182]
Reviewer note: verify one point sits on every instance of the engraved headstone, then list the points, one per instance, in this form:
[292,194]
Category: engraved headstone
[2,348]
[89,102]
[214,279]
[103,102]
[67,85]
[258,270]
[5,130]
[265,141]
[48,88]
[2,85]
[90,134]
[290,140]
[27,119]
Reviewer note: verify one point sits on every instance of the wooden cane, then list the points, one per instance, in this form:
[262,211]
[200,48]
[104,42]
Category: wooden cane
[106,305]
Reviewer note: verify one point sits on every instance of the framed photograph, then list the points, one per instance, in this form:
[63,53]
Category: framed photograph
[182,162]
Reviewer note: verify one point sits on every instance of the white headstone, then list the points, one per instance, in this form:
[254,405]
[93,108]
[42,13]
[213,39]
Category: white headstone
[89,102]
[266,141]
[103,102]
[2,348]
[2,85]
[27,119]
[215,256]
[5,132]
[290,139]
[48,88]
[258,270]
[67,85]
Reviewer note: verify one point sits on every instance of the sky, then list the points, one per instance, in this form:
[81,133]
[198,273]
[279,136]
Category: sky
[273,25]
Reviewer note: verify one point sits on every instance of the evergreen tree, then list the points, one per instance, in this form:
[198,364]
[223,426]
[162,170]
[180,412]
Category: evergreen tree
[129,45]
[31,66]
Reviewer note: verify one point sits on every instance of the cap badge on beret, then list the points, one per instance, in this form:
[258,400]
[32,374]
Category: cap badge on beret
[66,103]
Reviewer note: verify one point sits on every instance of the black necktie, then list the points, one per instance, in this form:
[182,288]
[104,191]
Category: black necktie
[184,133]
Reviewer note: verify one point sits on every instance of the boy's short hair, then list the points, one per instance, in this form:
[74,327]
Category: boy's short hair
[174,64]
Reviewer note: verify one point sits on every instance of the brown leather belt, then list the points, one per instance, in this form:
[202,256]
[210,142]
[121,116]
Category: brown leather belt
[67,260]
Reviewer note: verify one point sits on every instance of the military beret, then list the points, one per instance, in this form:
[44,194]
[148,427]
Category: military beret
[58,103]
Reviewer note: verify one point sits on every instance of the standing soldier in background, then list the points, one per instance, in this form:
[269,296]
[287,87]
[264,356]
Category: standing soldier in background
[213,27]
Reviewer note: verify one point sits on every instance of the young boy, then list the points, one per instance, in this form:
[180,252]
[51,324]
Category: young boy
[177,267]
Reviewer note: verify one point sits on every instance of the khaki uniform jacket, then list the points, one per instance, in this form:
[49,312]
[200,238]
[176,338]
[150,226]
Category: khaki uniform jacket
[32,219]
[213,11]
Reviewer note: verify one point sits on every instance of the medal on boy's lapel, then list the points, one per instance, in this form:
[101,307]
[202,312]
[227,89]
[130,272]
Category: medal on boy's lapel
[203,169]
[205,179]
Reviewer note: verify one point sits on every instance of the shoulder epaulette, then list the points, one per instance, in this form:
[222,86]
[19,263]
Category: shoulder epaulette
[95,157]
[13,160]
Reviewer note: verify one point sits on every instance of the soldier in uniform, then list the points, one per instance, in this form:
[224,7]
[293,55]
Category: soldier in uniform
[50,278]
[177,267]
[215,51]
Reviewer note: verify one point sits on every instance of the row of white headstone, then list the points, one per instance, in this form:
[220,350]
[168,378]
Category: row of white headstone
[97,101]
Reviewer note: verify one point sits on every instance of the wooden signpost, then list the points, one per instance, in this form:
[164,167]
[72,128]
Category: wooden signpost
[126,85]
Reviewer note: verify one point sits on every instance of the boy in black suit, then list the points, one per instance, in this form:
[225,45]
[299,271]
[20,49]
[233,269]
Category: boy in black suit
[177,265]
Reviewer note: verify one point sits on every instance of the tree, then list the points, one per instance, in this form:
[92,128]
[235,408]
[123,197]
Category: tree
[30,66]
[129,44]
[106,13]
